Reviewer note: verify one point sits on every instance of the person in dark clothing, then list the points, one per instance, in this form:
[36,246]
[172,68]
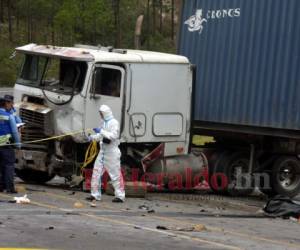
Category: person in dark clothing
[8,134]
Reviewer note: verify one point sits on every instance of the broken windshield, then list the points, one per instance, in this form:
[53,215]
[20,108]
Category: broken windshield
[53,74]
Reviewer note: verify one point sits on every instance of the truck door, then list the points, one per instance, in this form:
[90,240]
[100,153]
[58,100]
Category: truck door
[107,87]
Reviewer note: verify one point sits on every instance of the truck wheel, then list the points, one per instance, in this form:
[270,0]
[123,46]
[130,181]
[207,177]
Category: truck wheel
[285,177]
[34,176]
[217,180]
[268,191]
[235,168]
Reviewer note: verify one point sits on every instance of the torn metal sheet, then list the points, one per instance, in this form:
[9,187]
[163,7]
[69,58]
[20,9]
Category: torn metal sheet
[78,54]
[70,121]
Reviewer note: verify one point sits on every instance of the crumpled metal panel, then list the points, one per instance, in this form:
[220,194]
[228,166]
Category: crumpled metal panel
[70,121]
[42,122]
[53,51]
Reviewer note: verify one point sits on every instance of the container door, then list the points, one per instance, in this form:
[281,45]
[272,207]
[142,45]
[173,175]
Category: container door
[107,87]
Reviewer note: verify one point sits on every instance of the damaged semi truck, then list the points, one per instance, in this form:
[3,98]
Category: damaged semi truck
[59,91]
[237,79]
[247,88]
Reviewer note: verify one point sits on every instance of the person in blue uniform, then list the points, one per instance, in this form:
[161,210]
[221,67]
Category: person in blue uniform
[11,109]
[8,134]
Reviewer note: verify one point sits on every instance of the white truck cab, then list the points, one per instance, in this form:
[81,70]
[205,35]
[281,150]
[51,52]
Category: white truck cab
[59,91]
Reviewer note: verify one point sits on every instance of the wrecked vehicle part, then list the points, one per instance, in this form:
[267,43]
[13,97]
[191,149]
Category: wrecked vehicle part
[73,82]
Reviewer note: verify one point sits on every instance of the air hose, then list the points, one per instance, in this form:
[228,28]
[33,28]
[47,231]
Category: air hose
[90,154]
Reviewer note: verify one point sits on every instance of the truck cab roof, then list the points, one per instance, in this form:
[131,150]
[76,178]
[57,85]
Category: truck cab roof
[101,54]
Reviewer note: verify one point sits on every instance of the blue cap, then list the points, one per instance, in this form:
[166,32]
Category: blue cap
[8,98]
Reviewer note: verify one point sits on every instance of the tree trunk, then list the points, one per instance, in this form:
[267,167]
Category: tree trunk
[154,16]
[161,16]
[116,8]
[2,11]
[29,22]
[17,20]
[10,35]
[148,25]
[172,20]
[138,32]
[83,24]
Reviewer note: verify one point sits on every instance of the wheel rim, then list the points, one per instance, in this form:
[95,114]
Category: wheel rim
[288,176]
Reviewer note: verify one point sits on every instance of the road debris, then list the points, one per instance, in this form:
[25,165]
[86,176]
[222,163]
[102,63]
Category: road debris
[72,236]
[50,228]
[162,228]
[136,189]
[22,200]
[195,228]
[93,203]
[78,204]
[72,213]
[144,207]
[282,206]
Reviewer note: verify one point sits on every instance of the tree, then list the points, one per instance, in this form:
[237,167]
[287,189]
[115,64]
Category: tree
[116,8]
[1,11]
[9,20]
[160,16]
[66,22]
[172,19]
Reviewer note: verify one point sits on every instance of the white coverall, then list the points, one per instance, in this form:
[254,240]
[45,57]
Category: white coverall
[109,156]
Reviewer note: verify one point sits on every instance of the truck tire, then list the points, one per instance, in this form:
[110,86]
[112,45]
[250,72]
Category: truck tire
[268,191]
[216,181]
[285,176]
[226,168]
[34,176]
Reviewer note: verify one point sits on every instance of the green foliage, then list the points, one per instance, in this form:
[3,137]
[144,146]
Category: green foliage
[67,22]
[9,68]
[160,43]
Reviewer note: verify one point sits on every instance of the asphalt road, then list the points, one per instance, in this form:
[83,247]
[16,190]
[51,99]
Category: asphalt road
[51,221]
[193,221]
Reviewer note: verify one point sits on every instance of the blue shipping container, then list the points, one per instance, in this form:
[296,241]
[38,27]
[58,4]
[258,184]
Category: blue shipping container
[247,54]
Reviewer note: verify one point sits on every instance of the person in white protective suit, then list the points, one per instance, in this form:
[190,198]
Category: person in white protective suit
[109,156]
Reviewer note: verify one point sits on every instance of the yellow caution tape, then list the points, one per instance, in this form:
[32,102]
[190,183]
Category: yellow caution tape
[49,138]
[4,139]
[90,154]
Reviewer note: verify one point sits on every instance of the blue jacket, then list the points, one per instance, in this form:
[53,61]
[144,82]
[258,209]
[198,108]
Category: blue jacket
[13,112]
[8,125]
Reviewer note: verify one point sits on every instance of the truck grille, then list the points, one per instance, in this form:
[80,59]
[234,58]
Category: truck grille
[37,127]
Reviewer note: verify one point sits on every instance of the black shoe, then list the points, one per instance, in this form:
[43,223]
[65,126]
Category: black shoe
[117,200]
[90,198]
